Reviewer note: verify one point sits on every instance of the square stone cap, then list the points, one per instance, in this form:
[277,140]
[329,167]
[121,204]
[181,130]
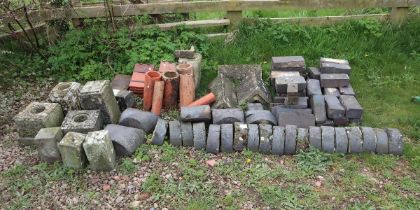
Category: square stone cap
[36,110]
[86,118]
[94,86]
[73,139]
[47,133]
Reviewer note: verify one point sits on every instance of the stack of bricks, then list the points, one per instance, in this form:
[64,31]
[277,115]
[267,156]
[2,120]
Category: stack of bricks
[331,96]
[137,79]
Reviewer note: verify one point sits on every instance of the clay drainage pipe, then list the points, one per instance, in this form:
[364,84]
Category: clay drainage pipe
[158,97]
[184,68]
[186,89]
[149,84]
[170,94]
[205,100]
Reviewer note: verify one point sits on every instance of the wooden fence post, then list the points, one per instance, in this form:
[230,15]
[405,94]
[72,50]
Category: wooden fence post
[235,18]
[77,22]
[399,15]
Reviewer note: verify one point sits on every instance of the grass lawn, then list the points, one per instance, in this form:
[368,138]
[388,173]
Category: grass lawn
[385,64]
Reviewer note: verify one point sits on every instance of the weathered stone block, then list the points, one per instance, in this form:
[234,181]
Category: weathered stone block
[255,106]
[260,117]
[331,91]
[334,108]
[199,130]
[333,60]
[98,95]
[302,103]
[240,139]
[277,147]
[334,80]
[318,106]
[226,138]
[125,99]
[302,139]
[369,139]
[227,116]
[125,139]
[67,95]
[225,92]
[300,119]
[196,113]
[315,138]
[290,139]
[313,87]
[355,139]
[328,139]
[277,109]
[353,109]
[71,150]
[46,141]
[36,116]
[335,68]
[138,119]
[213,139]
[160,132]
[275,74]
[82,121]
[348,90]
[288,63]
[266,138]
[99,151]
[341,140]
[253,138]
[282,82]
[314,73]
[382,141]
[395,141]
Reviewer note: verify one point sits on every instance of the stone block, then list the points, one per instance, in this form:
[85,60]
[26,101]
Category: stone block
[199,130]
[341,140]
[318,106]
[185,53]
[355,139]
[260,117]
[335,68]
[313,87]
[240,139]
[395,141]
[315,138]
[67,95]
[348,90]
[300,119]
[71,150]
[328,139]
[290,139]
[175,136]
[302,103]
[253,138]
[277,147]
[369,139]
[187,134]
[292,94]
[98,95]
[36,116]
[332,92]
[302,139]
[334,80]
[226,138]
[196,113]
[334,108]
[382,144]
[160,131]
[138,119]
[99,151]
[255,106]
[353,109]
[288,63]
[227,116]
[125,139]
[225,92]
[82,121]
[333,60]
[342,121]
[195,61]
[213,139]
[46,142]
[314,73]
[275,74]
[125,99]
[266,138]
[277,109]
[282,82]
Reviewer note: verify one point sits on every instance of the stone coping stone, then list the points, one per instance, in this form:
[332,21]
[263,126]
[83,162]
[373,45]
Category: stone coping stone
[99,151]
[199,130]
[287,63]
[175,136]
[275,74]
[266,138]
[260,117]
[314,73]
[334,80]
[277,147]
[253,138]
[334,108]
[227,116]
[67,95]
[281,83]
[355,139]
[353,109]
[290,139]
[226,138]
[348,90]
[317,103]
[36,116]
[335,68]
[341,140]
[240,139]
[313,87]
[196,113]
[255,106]
[160,131]
[332,91]
[302,139]
[82,121]
[301,103]
[125,139]
[382,145]
[47,144]
[187,134]
[369,139]
[138,119]
[315,138]
[395,139]
[278,109]
[213,139]
[300,119]
[71,150]
[333,60]
[328,138]
[98,95]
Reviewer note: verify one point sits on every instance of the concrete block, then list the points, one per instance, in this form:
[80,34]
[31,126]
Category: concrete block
[227,116]
[382,144]
[288,63]
[187,134]
[125,99]
[260,117]
[240,139]
[125,139]
[46,143]
[282,82]
[332,91]
[199,130]
[290,139]
[99,151]
[36,116]
[98,95]
[313,87]
[277,147]
[348,90]
[213,139]
[160,131]
[314,73]
[353,109]
[395,141]
[175,136]
[138,119]
[318,106]
[255,106]
[334,108]
[226,138]
[300,119]
[67,95]
[71,150]
[253,138]
[315,138]
[82,121]
[335,68]
[334,80]
[341,140]
[196,113]
[355,139]
[328,139]
[302,139]
[266,138]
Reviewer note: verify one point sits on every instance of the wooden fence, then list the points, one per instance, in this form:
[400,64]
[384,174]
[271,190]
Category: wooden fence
[233,9]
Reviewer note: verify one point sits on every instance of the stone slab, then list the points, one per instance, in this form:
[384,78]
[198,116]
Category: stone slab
[240,139]
[334,108]
[82,121]
[160,131]
[277,147]
[36,116]
[353,109]
[313,87]
[125,139]
[99,151]
[348,90]
[226,138]
[314,73]
[334,80]
[301,120]
[213,139]
[290,139]
[199,130]
[333,60]
[175,136]
[125,99]
[47,144]
[67,95]
[328,139]
[253,138]
[196,113]
[266,138]
[185,53]
[341,140]
[225,92]
[335,68]
[260,117]
[121,82]
[369,139]
[71,150]
[382,144]
[227,116]
[317,103]
[332,91]
[98,95]
[315,138]
[288,63]
[355,139]
[395,141]
[187,134]
[135,118]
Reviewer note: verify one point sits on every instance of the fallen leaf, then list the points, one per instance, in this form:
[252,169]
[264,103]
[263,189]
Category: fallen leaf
[106,187]
[211,162]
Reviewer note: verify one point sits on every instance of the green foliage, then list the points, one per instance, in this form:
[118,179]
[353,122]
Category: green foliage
[127,165]
[153,184]
[313,161]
